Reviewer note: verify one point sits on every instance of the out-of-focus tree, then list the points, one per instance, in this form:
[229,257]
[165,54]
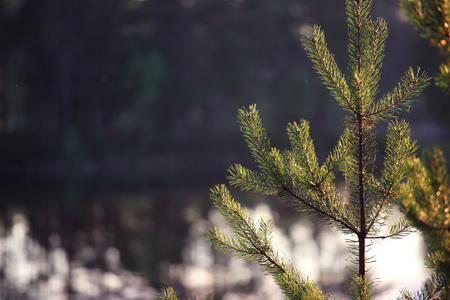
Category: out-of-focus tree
[433,18]
[425,202]
[425,198]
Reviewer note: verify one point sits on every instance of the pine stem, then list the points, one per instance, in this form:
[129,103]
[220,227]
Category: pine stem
[359,29]
[362,213]
[362,251]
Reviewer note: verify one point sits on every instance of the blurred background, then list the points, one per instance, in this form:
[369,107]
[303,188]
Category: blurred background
[117,116]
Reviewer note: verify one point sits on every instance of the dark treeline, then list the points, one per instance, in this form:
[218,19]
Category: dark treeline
[95,79]
[105,77]
[89,79]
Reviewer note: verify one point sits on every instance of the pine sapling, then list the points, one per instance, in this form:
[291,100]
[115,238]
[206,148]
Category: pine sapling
[296,178]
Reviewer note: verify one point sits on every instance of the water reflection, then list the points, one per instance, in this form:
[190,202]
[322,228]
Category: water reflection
[318,252]
[32,272]
[122,241]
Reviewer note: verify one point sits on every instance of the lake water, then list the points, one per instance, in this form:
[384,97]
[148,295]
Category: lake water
[125,239]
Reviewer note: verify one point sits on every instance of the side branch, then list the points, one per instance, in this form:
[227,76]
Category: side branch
[411,85]
[335,164]
[405,96]
[330,75]
[382,237]
[252,243]
[380,208]
[399,148]
[321,211]
[327,68]
[335,158]
[263,256]
[266,161]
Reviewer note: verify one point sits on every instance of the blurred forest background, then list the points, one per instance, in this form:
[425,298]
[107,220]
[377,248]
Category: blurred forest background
[116,116]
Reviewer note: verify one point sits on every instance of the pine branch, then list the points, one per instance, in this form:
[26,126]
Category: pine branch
[361,288]
[335,160]
[359,42]
[435,287]
[325,65]
[254,243]
[304,153]
[357,19]
[248,243]
[321,197]
[277,177]
[322,213]
[398,230]
[250,180]
[399,148]
[376,56]
[256,138]
[169,294]
[411,85]
[269,159]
